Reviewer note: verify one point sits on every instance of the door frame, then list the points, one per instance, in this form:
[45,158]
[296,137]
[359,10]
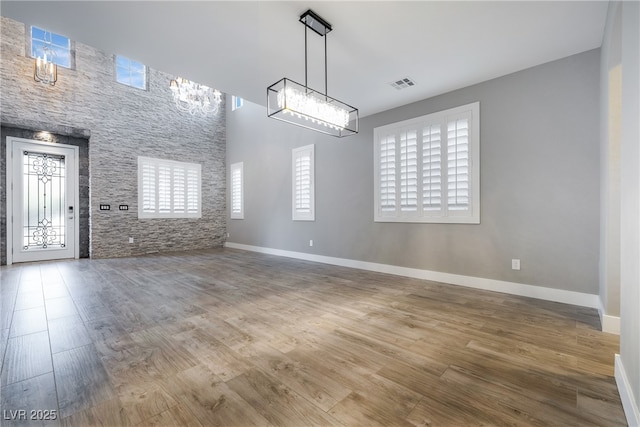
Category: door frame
[10,140]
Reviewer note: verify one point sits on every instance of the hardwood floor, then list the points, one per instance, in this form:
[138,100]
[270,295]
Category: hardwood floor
[231,338]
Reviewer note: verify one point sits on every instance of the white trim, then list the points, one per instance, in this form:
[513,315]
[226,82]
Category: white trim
[539,292]
[610,324]
[631,410]
[9,197]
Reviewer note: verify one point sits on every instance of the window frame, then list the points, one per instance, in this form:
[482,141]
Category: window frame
[189,169]
[130,75]
[470,112]
[308,212]
[236,214]
[69,47]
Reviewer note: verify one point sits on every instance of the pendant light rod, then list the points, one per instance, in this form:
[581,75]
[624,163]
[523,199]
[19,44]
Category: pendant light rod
[326,91]
[306,83]
[312,20]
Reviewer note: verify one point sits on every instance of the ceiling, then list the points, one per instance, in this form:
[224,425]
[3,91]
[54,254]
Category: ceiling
[241,47]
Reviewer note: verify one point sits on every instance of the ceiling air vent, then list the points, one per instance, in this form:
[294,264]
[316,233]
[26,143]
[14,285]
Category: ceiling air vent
[403,83]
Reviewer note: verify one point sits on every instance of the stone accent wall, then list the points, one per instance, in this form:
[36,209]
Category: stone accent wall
[123,123]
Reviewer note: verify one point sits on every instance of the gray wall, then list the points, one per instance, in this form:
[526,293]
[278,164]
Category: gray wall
[539,184]
[630,200]
[123,123]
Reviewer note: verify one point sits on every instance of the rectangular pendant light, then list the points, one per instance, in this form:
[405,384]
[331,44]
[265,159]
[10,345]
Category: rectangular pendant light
[302,106]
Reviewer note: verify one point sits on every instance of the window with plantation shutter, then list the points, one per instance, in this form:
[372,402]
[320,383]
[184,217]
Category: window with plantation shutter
[237,191]
[427,169]
[168,189]
[303,203]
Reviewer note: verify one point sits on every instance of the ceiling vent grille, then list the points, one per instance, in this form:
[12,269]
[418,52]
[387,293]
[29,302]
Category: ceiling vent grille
[403,83]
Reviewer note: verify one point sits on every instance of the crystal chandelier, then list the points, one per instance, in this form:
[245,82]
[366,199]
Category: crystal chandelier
[45,70]
[302,106]
[194,98]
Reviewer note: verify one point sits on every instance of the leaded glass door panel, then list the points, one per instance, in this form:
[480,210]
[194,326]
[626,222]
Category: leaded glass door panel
[44,185]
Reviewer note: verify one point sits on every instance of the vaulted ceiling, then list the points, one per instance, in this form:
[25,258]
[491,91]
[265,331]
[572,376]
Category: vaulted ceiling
[241,47]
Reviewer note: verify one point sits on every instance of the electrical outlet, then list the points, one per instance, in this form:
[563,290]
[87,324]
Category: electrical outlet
[310,242]
[130,239]
[515,264]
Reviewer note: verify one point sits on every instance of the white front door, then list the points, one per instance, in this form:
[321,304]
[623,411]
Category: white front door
[42,201]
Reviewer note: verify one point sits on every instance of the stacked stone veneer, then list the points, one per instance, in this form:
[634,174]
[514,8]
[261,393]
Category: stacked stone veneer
[121,123]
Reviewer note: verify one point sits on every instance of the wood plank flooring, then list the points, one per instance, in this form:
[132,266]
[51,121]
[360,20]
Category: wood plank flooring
[232,338]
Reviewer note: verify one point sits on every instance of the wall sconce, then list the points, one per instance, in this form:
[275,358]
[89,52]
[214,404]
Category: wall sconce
[45,70]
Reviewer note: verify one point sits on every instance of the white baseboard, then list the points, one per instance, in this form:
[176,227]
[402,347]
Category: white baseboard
[539,292]
[610,324]
[631,410]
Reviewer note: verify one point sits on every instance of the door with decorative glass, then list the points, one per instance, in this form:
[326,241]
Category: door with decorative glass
[43,199]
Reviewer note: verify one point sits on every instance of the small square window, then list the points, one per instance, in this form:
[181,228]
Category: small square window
[131,73]
[45,42]
[236,102]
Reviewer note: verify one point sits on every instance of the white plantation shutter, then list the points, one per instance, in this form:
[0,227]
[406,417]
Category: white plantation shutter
[303,183]
[409,171]
[427,168]
[458,165]
[387,175]
[179,192]
[148,188]
[431,168]
[164,189]
[237,190]
[193,191]
[168,189]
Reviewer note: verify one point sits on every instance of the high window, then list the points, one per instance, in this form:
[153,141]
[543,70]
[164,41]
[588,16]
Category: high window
[131,73]
[168,189]
[236,102]
[237,191]
[427,169]
[57,45]
[303,193]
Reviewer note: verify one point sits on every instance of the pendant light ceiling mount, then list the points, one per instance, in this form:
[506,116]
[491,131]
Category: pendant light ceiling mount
[302,106]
